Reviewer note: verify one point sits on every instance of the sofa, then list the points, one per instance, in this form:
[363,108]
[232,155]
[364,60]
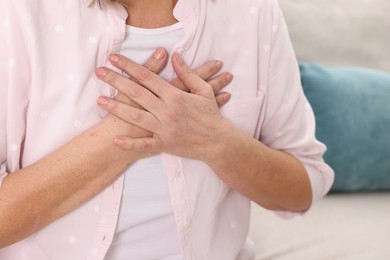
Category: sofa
[343,47]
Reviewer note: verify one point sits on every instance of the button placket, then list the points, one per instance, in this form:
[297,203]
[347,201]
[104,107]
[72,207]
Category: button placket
[179,197]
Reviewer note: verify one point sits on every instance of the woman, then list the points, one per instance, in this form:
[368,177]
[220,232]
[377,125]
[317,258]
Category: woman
[190,169]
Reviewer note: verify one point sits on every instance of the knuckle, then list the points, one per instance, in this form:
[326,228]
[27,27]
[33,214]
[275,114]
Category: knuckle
[203,75]
[177,97]
[154,65]
[110,78]
[143,145]
[142,74]
[209,71]
[124,64]
[139,116]
[185,73]
[151,66]
[218,83]
[203,72]
[172,115]
[178,84]
[146,145]
[112,105]
[136,91]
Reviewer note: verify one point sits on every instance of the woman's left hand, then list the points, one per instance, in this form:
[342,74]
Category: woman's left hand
[182,123]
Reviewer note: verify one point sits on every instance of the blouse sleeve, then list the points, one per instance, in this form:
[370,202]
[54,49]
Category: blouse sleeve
[289,123]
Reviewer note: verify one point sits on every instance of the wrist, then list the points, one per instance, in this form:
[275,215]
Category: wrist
[221,144]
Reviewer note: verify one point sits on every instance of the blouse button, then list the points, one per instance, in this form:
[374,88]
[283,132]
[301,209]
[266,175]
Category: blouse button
[59,28]
[233,224]
[187,223]
[13,147]
[70,77]
[253,10]
[92,40]
[176,174]
[72,239]
[95,251]
[44,114]
[96,209]
[103,220]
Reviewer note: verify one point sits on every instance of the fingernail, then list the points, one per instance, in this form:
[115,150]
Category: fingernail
[101,72]
[159,53]
[229,77]
[119,140]
[219,64]
[103,101]
[113,58]
[226,96]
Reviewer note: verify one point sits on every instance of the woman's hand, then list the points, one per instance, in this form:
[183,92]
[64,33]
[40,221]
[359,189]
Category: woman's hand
[155,64]
[183,123]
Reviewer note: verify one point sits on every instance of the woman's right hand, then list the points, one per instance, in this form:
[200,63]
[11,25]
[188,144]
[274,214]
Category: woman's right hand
[155,64]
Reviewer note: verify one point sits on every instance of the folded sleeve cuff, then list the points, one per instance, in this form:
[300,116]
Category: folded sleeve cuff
[321,180]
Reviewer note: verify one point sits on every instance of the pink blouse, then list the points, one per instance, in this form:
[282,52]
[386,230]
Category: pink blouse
[48,91]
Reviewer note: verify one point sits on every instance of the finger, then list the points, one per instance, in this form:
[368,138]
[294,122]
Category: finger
[194,83]
[209,69]
[140,74]
[130,114]
[205,71]
[155,63]
[131,89]
[222,98]
[145,145]
[220,81]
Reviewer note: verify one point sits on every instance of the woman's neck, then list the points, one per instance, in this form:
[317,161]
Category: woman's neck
[150,13]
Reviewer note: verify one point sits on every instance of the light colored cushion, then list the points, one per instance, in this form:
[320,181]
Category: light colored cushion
[340,32]
[340,227]
[352,110]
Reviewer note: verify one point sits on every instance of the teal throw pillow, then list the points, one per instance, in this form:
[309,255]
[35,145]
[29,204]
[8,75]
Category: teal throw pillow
[352,110]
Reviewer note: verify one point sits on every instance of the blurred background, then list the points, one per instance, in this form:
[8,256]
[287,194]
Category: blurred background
[340,32]
[343,47]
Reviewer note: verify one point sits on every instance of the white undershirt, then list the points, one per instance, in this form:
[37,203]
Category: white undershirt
[146,226]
